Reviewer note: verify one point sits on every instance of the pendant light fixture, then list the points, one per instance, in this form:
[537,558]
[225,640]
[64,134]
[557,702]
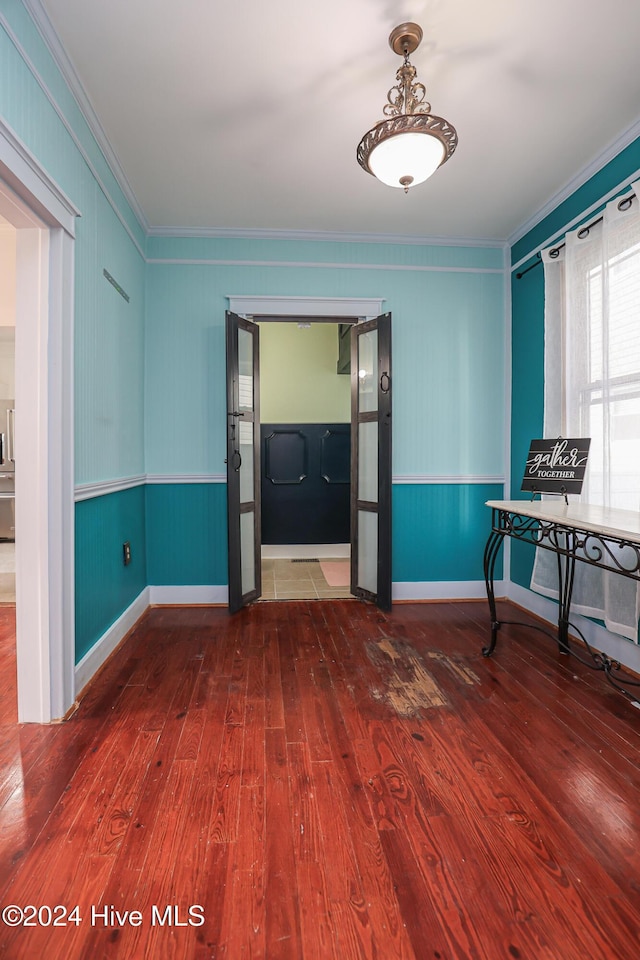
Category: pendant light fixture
[411,144]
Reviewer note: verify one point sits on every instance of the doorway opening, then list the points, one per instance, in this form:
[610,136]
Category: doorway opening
[305,441]
[44,222]
[370,461]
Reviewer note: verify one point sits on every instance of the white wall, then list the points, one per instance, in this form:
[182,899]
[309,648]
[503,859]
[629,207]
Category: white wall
[7,274]
[7,309]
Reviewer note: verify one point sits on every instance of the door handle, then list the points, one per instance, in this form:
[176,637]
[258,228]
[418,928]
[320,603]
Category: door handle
[385,379]
[2,444]
[236,453]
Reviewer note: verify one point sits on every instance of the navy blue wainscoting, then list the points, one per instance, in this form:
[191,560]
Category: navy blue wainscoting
[305,482]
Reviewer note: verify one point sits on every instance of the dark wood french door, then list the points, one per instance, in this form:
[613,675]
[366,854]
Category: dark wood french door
[243,460]
[371,460]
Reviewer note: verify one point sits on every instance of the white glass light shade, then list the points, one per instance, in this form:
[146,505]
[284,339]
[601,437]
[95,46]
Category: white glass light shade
[407,154]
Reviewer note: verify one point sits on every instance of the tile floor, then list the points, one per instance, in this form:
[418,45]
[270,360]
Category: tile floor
[7,572]
[286,579]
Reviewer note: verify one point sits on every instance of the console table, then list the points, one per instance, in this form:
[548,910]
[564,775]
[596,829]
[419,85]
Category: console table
[599,536]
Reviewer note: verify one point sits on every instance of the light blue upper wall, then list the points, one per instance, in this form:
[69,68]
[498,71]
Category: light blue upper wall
[109,333]
[38,104]
[109,350]
[448,363]
[404,256]
[448,343]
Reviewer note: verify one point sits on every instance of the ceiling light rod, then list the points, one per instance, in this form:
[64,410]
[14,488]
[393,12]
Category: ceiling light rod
[409,146]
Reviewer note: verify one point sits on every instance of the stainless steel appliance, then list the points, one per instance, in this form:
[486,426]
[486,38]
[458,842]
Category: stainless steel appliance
[7,471]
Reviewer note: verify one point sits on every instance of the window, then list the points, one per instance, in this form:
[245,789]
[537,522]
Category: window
[592,386]
[609,398]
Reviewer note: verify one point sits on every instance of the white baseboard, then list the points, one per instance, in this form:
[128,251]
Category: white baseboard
[618,648]
[188,595]
[104,647]
[445,590]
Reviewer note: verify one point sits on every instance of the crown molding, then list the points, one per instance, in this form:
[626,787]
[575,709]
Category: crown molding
[579,218]
[258,233]
[53,43]
[597,163]
[48,33]
[322,265]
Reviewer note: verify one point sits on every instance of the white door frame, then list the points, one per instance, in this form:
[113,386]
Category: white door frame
[45,636]
[364,308]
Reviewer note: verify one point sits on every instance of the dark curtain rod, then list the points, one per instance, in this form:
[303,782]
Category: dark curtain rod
[623,204]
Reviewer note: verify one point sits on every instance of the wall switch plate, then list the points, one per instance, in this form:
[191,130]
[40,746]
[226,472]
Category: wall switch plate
[126,553]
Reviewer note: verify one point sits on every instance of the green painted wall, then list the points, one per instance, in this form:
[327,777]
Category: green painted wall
[298,378]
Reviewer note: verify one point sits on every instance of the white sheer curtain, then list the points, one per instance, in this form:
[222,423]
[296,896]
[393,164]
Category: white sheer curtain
[592,388]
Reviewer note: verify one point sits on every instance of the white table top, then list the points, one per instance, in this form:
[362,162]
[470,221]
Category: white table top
[623,524]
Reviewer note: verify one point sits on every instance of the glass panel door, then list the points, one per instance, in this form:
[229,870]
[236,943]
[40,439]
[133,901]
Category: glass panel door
[371,460]
[243,461]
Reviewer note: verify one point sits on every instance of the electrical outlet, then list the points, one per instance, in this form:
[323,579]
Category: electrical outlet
[126,553]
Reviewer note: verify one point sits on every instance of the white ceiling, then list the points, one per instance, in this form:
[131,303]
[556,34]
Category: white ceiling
[246,114]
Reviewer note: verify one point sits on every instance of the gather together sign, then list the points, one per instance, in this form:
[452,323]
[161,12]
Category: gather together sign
[556,466]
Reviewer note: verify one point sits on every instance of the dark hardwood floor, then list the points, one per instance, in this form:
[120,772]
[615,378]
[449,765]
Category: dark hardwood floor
[322,781]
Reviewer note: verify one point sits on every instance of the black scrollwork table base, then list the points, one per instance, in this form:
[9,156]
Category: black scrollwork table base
[601,537]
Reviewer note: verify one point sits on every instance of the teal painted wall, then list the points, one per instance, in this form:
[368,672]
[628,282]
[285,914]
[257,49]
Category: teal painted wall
[448,370]
[440,530]
[104,586]
[149,374]
[528,325]
[186,534]
[621,169]
[163,352]
[108,332]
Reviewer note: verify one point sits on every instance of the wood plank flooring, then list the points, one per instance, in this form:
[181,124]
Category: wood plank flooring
[323,781]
